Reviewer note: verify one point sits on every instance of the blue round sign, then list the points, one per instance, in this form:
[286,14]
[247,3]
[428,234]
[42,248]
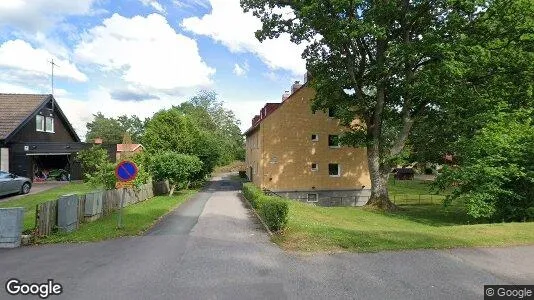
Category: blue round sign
[126,171]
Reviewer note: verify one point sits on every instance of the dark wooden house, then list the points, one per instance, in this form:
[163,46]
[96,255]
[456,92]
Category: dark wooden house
[36,137]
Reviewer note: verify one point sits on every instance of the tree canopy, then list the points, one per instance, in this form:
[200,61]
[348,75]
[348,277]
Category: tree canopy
[393,63]
[112,130]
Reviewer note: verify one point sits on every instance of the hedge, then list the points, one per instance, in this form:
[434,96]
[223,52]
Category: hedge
[273,210]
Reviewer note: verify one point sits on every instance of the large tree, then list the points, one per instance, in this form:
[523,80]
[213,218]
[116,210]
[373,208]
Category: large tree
[391,63]
[112,130]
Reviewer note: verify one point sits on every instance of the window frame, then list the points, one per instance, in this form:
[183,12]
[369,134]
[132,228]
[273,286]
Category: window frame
[316,167]
[52,130]
[42,123]
[316,139]
[338,143]
[308,197]
[338,170]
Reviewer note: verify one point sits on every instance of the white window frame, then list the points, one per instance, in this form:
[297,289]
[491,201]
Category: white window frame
[316,167]
[43,123]
[52,130]
[338,170]
[308,197]
[338,143]
[316,137]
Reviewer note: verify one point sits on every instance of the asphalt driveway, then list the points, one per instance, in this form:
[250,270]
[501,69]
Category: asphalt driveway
[212,248]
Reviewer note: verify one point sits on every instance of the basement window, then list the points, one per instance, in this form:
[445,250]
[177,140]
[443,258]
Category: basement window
[334,170]
[333,141]
[314,137]
[313,198]
[314,167]
[40,123]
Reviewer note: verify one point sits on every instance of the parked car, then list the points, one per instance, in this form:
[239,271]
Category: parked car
[13,184]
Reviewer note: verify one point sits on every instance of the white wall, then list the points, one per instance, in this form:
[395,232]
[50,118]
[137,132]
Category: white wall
[4,159]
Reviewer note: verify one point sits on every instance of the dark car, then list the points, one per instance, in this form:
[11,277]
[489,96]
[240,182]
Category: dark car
[13,184]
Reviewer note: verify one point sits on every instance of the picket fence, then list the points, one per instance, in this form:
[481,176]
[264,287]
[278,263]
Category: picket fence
[102,203]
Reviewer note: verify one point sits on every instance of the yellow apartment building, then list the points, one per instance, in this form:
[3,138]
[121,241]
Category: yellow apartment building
[295,153]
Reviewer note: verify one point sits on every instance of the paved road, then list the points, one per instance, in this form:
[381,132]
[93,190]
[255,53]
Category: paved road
[36,188]
[212,248]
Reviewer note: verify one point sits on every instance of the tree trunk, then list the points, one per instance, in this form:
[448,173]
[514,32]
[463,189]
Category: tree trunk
[379,183]
[173,187]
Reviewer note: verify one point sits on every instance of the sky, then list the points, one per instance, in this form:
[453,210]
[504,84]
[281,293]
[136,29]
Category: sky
[136,57]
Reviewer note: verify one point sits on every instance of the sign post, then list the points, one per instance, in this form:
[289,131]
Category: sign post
[126,171]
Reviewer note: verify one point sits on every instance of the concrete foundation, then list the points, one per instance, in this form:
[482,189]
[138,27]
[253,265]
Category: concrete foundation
[11,225]
[4,159]
[329,198]
[67,213]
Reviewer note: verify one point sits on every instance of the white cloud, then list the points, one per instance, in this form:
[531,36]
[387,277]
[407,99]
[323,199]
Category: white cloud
[22,60]
[38,15]
[191,3]
[229,25]
[155,5]
[241,70]
[147,51]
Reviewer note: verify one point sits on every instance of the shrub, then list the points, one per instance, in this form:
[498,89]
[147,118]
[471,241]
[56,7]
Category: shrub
[99,171]
[178,168]
[274,211]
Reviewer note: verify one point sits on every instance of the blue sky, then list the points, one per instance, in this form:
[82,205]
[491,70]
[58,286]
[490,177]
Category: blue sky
[140,56]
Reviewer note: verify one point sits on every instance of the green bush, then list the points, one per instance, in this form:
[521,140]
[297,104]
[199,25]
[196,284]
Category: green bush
[178,168]
[273,210]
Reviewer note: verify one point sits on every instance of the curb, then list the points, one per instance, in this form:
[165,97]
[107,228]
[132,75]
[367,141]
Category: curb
[256,213]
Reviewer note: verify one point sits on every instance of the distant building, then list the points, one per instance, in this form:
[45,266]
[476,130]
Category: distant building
[294,152]
[125,151]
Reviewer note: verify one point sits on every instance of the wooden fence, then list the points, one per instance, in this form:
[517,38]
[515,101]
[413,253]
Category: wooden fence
[46,217]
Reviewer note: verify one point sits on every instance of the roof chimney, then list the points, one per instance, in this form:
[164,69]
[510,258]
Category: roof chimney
[285,95]
[255,120]
[295,87]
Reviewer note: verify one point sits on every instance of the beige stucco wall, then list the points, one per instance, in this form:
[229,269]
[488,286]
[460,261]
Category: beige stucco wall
[287,151]
[253,156]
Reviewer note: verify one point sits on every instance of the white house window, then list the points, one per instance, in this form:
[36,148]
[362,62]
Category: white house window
[333,141]
[314,167]
[40,123]
[314,137]
[312,198]
[334,170]
[49,124]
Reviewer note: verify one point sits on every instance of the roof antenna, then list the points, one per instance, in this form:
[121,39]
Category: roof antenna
[53,64]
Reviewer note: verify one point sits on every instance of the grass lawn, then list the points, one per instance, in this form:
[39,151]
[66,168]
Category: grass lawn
[30,201]
[313,228]
[137,218]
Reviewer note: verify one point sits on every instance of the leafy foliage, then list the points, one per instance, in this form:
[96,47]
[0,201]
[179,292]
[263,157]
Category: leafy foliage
[179,169]
[112,130]
[496,177]
[391,64]
[274,211]
[99,171]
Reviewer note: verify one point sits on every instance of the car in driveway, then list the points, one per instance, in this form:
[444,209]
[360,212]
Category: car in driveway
[13,184]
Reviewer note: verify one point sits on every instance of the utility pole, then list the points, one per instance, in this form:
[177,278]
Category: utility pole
[53,64]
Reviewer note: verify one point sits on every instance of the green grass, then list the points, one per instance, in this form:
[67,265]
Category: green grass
[359,229]
[137,218]
[30,201]
[312,228]
[414,192]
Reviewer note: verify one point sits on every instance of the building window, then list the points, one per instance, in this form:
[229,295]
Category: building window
[312,198]
[40,123]
[331,112]
[314,167]
[314,137]
[333,141]
[334,170]
[49,124]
